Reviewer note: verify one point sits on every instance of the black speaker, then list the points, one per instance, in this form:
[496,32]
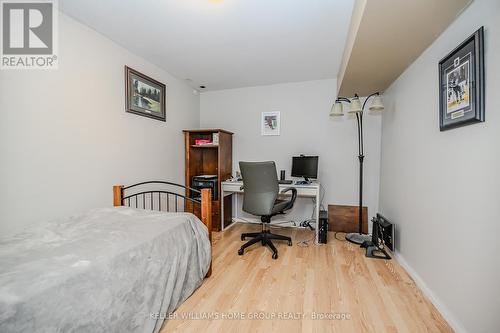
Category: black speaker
[382,237]
[323,227]
[386,231]
[282,175]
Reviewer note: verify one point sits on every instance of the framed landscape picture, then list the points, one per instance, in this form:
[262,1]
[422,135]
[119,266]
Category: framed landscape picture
[461,83]
[144,95]
[270,123]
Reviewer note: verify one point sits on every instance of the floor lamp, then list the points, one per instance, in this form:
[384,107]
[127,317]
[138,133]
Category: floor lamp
[356,108]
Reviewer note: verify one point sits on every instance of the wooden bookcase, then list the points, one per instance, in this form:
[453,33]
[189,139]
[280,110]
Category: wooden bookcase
[210,160]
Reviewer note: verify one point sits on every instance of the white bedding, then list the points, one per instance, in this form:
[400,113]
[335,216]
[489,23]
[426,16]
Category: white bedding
[110,270]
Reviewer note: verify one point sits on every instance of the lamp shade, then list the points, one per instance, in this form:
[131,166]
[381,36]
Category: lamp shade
[337,109]
[377,104]
[355,105]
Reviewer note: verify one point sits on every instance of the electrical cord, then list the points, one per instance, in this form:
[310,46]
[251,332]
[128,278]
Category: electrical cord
[307,224]
[321,198]
[335,235]
[322,189]
[305,242]
[312,220]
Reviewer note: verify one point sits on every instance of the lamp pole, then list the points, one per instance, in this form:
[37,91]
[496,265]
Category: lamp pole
[361,158]
[359,237]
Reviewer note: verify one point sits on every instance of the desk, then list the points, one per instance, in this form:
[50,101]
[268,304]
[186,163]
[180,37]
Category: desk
[312,191]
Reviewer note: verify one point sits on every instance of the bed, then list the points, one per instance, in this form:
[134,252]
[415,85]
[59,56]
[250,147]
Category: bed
[116,269]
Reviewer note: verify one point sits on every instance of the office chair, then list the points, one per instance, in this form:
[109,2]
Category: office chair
[261,189]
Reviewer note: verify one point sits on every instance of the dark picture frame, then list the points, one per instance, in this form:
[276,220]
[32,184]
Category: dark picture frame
[144,96]
[461,84]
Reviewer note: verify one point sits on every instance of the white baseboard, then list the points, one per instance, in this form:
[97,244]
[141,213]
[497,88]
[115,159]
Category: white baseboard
[443,309]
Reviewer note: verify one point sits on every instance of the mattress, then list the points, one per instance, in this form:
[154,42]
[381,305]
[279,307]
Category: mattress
[109,270]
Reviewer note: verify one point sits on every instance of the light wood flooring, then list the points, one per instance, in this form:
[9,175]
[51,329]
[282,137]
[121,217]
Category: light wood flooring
[326,288]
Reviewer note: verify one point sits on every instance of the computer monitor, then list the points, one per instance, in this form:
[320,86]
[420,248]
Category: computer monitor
[305,166]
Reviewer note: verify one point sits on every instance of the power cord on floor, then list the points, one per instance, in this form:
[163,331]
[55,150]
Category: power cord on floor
[307,224]
[305,242]
[277,225]
[339,232]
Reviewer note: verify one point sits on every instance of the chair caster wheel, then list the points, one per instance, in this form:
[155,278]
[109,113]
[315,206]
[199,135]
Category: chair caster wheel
[289,243]
[240,252]
[243,238]
[275,256]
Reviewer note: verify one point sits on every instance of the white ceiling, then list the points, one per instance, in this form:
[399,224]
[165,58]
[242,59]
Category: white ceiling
[383,40]
[226,43]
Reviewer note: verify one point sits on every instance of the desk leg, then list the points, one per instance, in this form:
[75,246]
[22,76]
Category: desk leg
[222,211]
[235,207]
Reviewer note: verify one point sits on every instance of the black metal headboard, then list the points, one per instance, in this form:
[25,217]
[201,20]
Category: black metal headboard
[163,196]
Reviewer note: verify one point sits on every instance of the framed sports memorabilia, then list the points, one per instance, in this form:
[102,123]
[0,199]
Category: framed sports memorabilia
[461,84]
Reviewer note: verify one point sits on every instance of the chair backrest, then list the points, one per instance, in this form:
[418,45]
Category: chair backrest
[261,187]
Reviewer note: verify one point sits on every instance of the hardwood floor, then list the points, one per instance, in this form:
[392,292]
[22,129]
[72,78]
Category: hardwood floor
[336,281]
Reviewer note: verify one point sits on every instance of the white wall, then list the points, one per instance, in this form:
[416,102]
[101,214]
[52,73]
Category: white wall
[65,137]
[443,188]
[306,128]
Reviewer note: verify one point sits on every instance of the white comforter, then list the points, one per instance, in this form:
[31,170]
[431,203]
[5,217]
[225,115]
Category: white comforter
[110,270]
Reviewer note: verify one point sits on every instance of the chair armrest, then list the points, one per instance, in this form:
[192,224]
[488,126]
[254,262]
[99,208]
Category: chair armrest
[294,194]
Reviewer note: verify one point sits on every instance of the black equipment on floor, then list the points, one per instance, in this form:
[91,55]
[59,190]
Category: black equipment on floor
[382,235]
[204,181]
[386,231]
[323,227]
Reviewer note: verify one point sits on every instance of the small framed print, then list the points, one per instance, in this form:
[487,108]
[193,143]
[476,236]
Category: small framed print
[461,84]
[270,123]
[144,96]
